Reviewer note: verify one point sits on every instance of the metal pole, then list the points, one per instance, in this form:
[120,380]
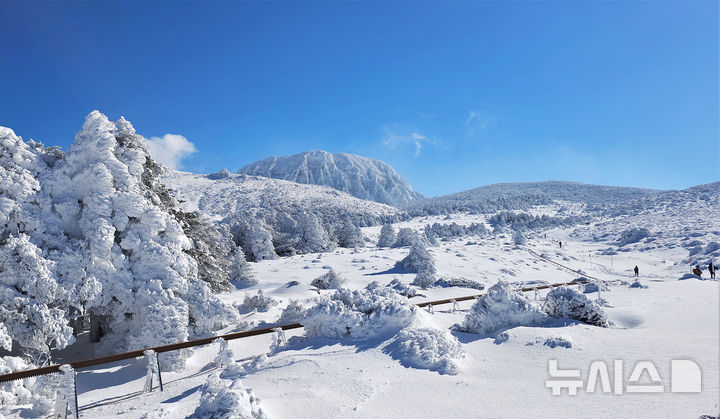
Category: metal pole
[157,358]
[77,408]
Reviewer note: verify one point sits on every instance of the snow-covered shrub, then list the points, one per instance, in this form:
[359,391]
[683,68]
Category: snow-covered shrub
[222,174]
[330,279]
[387,236]
[428,348]
[401,288]
[454,230]
[38,392]
[424,280]
[292,313]
[711,247]
[459,282]
[419,260]
[227,399]
[518,238]
[406,237]
[502,307]
[637,284]
[591,287]
[565,302]
[632,235]
[259,302]
[359,314]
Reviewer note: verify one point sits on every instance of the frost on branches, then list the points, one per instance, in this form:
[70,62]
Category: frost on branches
[564,302]
[502,307]
[330,279]
[92,231]
[359,314]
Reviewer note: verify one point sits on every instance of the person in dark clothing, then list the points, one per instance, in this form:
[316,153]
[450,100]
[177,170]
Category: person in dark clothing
[560,242]
[637,272]
[712,268]
[697,271]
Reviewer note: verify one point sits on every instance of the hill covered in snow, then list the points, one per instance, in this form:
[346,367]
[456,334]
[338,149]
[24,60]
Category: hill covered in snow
[524,195]
[359,176]
[292,217]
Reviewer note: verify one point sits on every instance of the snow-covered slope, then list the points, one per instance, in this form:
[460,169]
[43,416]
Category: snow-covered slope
[221,197]
[273,217]
[359,176]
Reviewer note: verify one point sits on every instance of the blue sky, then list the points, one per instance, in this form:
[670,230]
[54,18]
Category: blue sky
[453,95]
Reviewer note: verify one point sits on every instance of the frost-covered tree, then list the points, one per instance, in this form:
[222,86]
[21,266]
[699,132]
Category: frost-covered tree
[387,236]
[240,272]
[30,299]
[419,260]
[312,236]
[350,236]
[122,253]
[406,237]
[255,239]
[212,247]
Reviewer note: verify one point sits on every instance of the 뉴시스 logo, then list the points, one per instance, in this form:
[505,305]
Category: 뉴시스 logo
[685,377]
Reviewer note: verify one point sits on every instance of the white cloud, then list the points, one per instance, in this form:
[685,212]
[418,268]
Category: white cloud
[395,136]
[477,121]
[170,149]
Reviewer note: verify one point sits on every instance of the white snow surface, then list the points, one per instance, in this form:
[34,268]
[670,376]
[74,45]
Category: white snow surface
[419,367]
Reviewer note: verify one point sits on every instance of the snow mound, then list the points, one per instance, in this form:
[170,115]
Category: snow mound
[359,314]
[502,307]
[227,399]
[564,302]
[428,348]
[360,177]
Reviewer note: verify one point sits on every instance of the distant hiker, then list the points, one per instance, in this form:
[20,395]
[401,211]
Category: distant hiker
[560,242]
[637,272]
[712,268]
[697,271]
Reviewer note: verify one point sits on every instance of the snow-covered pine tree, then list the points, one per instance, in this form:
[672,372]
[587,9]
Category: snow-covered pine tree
[406,237]
[387,236]
[350,236]
[135,276]
[256,241]
[312,235]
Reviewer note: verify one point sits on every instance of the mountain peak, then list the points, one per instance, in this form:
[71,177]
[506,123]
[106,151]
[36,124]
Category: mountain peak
[361,177]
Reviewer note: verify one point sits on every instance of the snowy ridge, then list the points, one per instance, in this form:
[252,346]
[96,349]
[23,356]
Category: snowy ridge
[235,194]
[361,177]
[525,195]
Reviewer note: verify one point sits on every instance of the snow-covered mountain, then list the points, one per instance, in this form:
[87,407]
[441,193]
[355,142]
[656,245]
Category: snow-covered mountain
[292,217]
[523,195]
[359,176]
